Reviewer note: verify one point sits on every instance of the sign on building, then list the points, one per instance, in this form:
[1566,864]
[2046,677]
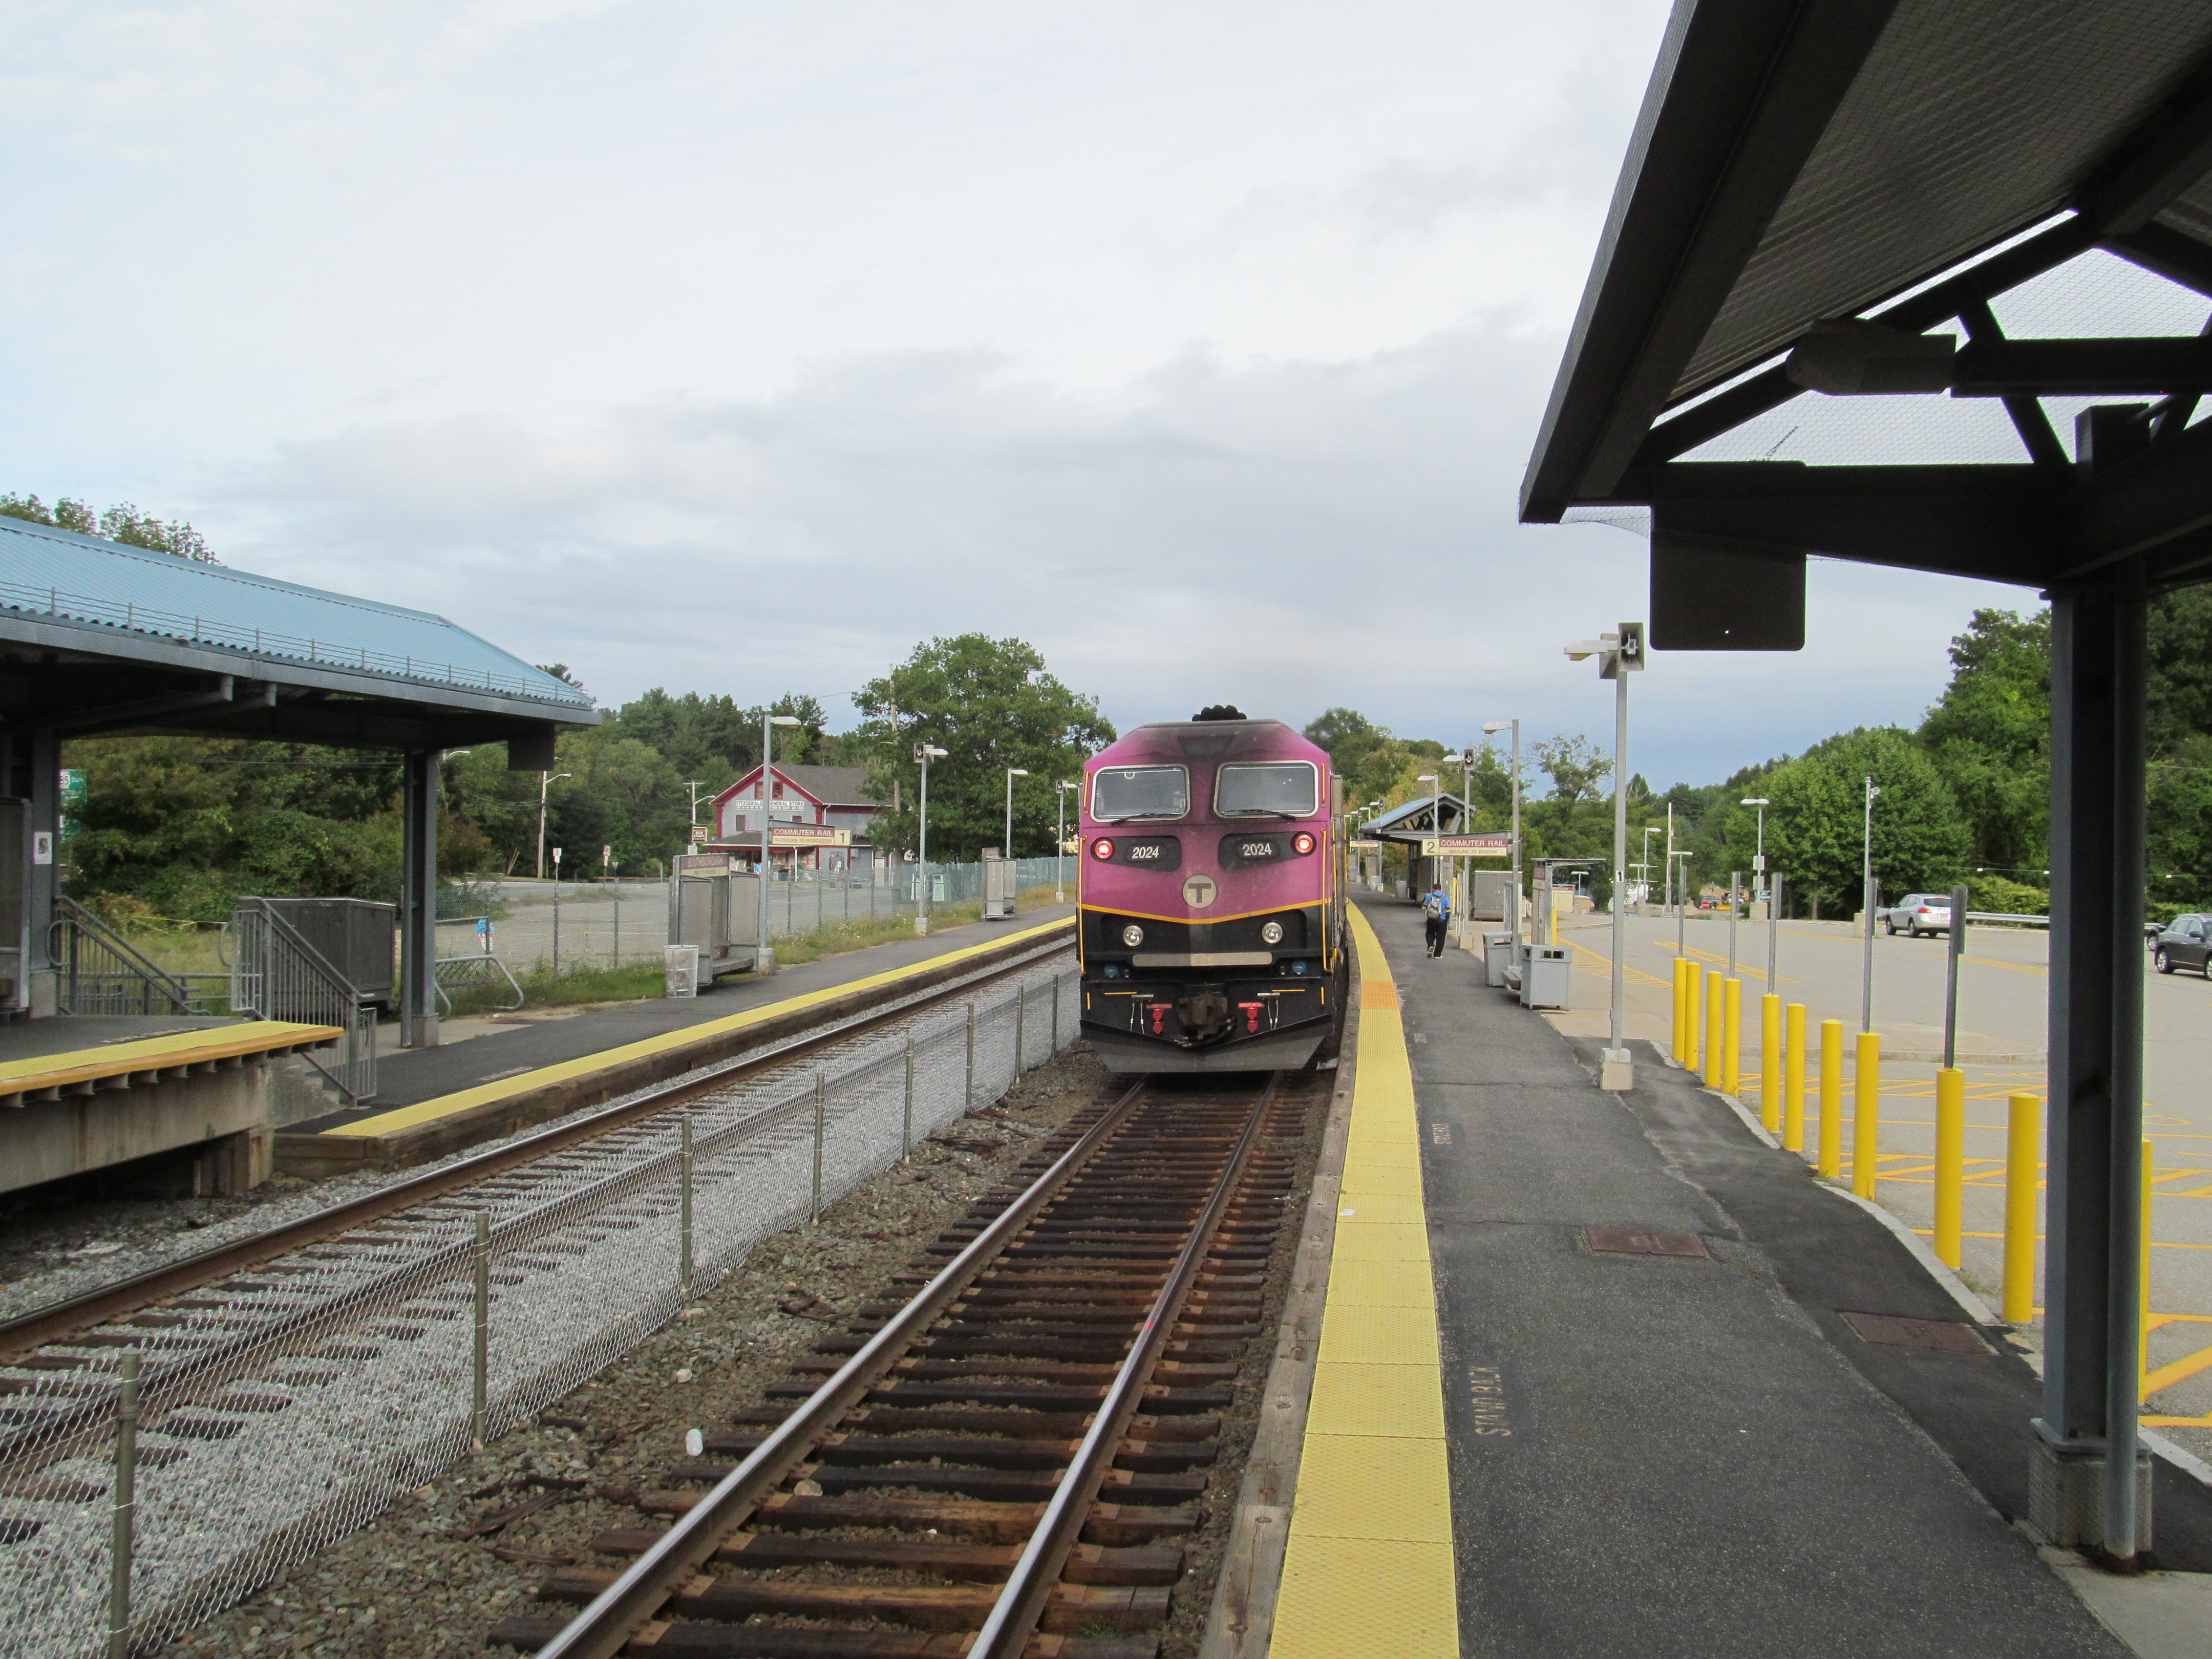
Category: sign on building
[1466,847]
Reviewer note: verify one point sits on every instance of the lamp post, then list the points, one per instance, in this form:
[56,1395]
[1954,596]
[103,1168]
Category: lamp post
[1758,854]
[924,752]
[1866,903]
[1495,726]
[1618,654]
[1645,863]
[1435,816]
[545,782]
[1012,772]
[764,958]
[1059,846]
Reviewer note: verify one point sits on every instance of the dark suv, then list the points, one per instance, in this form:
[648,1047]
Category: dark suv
[2184,942]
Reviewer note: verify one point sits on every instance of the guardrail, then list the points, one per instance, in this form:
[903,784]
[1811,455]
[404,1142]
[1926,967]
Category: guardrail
[276,974]
[98,971]
[1973,916]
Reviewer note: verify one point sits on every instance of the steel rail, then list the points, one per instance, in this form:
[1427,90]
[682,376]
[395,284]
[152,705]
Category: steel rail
[53,1324]
[626,1606]
[1013,1617]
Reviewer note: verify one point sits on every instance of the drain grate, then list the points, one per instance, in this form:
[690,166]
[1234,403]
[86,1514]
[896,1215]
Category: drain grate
[1645,1241]
[1938,1335]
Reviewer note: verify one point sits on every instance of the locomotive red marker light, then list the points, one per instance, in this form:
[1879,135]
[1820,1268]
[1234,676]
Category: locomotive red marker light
[1101,849]
[1301,844]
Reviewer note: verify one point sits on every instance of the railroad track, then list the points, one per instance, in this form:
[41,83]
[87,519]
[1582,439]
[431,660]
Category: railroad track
[1003,1464]
[364,1309]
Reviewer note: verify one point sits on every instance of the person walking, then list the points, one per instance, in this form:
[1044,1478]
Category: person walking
[1436,910]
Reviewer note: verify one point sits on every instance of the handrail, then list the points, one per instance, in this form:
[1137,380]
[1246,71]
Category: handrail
[109,979]
[280,974]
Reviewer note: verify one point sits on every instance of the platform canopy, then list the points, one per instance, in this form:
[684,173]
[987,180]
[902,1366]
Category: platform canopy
[95,636]
[1960,219]
[1417,820]
[1826,197]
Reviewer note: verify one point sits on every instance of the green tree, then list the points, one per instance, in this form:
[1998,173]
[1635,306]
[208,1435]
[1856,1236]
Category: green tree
[122,522]
[990,704]
[1988,735]
[1815,827]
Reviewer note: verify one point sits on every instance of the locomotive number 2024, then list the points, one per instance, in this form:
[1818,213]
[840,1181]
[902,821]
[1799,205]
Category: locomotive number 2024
[1142,854]
[1257,849]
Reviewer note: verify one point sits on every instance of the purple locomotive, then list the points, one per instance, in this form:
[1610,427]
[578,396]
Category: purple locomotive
[1210,918]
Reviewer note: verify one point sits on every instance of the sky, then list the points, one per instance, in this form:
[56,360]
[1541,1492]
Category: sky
[737,347]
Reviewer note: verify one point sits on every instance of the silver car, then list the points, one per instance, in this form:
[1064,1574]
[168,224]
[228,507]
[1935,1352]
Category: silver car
[1919,912]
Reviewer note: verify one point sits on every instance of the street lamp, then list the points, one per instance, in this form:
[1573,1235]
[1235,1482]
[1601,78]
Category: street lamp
[925,753]
[1758,856]
[1492,727]
[1012,772]
[1059,846]
[545,781]
[1645,863]
[1618,654]
[764,958]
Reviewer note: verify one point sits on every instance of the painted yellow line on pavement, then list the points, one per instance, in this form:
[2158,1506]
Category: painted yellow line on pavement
[445,1105]
[1369,1568]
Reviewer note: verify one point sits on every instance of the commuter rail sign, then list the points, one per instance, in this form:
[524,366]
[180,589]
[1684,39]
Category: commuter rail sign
[1467,846]
[808,835]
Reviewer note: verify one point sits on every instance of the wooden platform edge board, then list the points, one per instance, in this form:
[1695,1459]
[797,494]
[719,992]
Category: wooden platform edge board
[161,1054]
[415,1134]
[1241,1620]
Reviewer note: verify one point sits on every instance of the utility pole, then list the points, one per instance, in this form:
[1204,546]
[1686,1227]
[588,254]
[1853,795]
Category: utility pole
[1619,653]
[545,782]
[1865,895]
[925,753]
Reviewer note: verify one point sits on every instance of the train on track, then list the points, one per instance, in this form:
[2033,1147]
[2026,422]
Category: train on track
[1211,901]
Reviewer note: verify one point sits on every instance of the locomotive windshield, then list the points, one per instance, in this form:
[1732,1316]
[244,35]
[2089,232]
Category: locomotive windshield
[1285,789]
[1119,794]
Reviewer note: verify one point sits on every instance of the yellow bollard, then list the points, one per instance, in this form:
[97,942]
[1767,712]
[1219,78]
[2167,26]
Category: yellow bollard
[1792,1079]
[1676,1046]
[1866,1114]
[2142,1284]
[1950,1162]
[1716,1027]
[1692,989]
[1731,1042]
[1832,1098]
[1769,1062]
[2023,1175]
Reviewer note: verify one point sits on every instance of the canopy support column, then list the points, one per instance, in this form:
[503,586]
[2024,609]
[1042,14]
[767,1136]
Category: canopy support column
[418,900]
[2087,1485]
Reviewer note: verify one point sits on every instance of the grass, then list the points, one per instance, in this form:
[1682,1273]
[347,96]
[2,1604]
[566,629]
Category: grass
[633,981]
[882,930]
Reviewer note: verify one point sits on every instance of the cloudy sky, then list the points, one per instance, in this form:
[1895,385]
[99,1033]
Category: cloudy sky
[736,347]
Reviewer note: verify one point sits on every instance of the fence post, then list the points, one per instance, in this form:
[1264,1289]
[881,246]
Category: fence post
[968,1097]
[1831,1163]
[1866,1114]
[1793,1083]
[906,1119]
[480,1356]
[686,1161]
[1950,1163]
[1056,978]
[1769,1062]
[1021,1015]
[821,1118]
[126,1504]
[2023,1175]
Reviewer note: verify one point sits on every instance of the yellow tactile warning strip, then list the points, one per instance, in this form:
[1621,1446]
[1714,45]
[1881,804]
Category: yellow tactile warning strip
[192,1047]
[429,1111]
[1369,1567]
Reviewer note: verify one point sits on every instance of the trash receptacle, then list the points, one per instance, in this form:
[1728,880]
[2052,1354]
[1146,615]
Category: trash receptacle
[1545,976]
[1497,957]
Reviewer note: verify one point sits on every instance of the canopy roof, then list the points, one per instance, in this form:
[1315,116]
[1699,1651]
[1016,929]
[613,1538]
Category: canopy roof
[98,636]
[1799,164]
[1413,821]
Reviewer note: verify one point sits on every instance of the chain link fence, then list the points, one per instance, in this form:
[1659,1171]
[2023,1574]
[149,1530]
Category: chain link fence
[281,1410]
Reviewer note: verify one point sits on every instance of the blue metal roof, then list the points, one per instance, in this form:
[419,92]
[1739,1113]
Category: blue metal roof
[1454,810]
[45,572]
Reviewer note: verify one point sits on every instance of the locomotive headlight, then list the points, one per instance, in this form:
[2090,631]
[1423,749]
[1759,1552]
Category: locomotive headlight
[1133,936]
[1101,849]
[1272,933]
[1302,843]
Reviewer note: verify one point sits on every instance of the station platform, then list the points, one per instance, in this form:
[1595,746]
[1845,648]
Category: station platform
[81,1093]
[431,1102]
[1681,1398]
